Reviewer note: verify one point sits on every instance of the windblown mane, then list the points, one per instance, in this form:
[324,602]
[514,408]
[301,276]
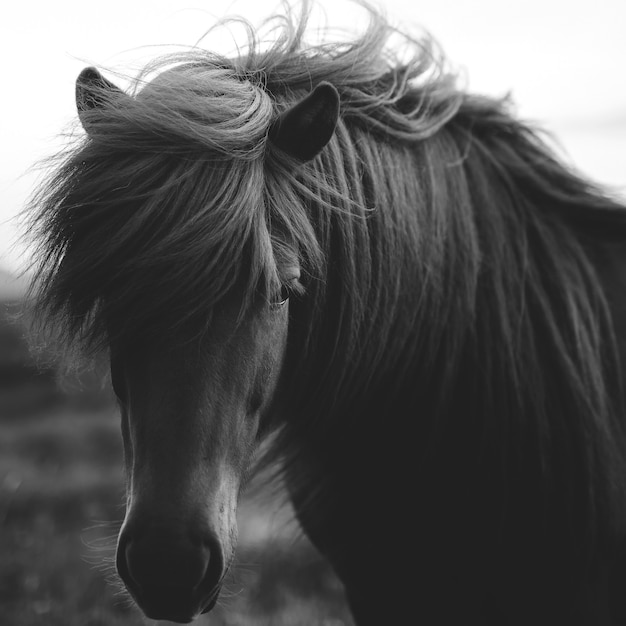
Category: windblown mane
[152,211]
[440,239]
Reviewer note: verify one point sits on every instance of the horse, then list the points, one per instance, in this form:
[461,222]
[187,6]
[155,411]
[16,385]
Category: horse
[392,288]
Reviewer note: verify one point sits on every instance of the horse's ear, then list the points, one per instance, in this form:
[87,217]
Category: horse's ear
[304,129]
[94,91]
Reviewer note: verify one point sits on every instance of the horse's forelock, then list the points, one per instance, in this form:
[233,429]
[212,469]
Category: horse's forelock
[120,254]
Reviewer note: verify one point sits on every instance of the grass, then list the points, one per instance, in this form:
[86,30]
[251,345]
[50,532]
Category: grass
[61,494]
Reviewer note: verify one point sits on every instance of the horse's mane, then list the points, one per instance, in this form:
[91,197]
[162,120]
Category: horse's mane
[440,239]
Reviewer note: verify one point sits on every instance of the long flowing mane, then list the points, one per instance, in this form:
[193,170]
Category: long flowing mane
[441,242]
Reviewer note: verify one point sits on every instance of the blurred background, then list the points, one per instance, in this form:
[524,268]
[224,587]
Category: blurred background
[61,483]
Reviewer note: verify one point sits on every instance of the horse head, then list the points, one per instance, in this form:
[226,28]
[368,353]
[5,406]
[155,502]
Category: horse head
[193,404]
[190,418]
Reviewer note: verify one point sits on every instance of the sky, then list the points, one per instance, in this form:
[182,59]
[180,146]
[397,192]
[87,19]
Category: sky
[562,61]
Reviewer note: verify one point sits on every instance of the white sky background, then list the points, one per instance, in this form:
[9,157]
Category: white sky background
[563,61]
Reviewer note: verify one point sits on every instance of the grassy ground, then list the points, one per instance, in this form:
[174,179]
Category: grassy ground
[61,489]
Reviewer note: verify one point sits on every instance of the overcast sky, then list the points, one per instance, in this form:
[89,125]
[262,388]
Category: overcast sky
[564,61]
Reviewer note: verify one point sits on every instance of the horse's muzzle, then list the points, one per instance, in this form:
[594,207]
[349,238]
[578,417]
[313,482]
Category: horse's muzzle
[171,575]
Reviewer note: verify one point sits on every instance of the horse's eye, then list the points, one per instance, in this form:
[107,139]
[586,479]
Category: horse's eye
[280,299]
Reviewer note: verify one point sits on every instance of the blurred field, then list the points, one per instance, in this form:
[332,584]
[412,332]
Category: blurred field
[61,502]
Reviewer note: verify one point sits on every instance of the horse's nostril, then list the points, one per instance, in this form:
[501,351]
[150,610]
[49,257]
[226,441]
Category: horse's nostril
[159,559]
[172,573]
[166,565]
